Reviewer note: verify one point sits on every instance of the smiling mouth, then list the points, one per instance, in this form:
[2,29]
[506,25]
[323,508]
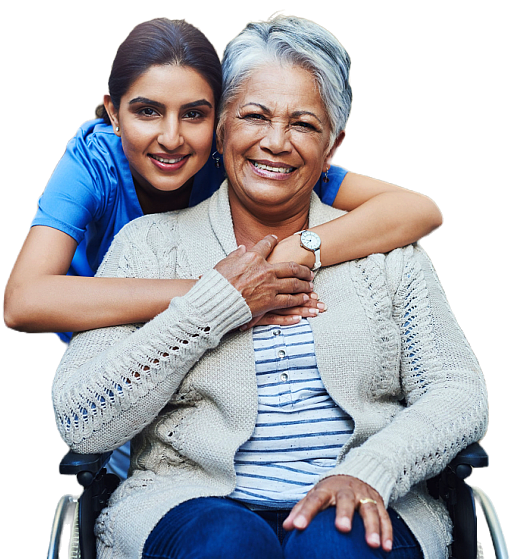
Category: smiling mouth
[168,161]
[272,169]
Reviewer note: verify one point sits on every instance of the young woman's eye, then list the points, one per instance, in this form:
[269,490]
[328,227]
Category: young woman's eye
[193,115]
[148,111]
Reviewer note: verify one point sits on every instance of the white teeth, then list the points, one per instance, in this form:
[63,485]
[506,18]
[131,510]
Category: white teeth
[273,169]
[168,161]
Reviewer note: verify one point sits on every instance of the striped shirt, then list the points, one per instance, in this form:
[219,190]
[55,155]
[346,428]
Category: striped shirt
[299,429]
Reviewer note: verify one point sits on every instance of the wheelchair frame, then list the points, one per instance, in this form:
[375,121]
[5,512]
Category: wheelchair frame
[75,518]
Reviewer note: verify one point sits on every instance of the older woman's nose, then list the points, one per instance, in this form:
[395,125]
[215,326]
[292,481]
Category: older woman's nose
[276,139]
[170,136]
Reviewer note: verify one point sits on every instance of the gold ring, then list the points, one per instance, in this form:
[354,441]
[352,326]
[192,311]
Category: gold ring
[366,501]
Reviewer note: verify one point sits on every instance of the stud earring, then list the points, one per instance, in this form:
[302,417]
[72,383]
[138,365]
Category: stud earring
[326,177]
[117,128]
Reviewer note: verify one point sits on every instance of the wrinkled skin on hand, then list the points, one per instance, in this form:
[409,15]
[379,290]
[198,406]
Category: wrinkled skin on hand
[264,286]
[345,493]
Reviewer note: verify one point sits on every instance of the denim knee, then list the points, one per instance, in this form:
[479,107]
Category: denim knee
[212,528]
[322,540]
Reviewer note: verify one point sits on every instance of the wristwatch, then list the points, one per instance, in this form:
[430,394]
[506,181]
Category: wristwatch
[311,241]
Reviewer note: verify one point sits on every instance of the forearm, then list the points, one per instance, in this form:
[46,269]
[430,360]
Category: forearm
[55,303]
[387,221]
[112,382]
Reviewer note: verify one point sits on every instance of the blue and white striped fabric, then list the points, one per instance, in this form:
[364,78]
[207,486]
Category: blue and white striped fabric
[299,429]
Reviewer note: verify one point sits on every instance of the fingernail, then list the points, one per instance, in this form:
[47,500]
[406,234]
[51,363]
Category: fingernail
[300,522]
[375,539]
[314,312]
[305,297]
[321,306]
[243,328]
[345,523]
[275,236]
[313,296]
[388,545]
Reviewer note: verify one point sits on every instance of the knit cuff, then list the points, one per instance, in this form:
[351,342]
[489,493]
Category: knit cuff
[219,303]
[369,470]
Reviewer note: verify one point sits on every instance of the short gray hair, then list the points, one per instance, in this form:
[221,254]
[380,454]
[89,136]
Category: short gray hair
[296,41]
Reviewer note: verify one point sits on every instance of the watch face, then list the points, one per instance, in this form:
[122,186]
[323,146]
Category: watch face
[310,240]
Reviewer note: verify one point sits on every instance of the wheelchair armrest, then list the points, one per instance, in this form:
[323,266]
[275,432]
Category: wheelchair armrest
[473,456]
[84,466]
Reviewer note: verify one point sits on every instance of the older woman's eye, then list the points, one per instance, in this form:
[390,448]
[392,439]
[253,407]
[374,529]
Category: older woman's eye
[256,117]
[304,126]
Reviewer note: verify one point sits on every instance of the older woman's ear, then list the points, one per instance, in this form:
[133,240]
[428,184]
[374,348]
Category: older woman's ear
[332,151]
[219,135]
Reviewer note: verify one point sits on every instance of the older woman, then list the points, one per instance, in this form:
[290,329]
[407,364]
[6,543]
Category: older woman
[328,429]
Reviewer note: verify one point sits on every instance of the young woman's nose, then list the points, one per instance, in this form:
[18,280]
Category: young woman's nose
[170,136]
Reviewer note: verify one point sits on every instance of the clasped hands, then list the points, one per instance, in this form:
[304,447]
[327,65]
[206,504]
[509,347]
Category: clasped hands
[279,293]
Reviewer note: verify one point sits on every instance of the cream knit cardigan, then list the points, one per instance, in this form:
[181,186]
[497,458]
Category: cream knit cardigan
[183,386]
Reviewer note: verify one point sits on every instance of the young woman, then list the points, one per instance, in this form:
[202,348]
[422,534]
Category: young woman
[152,152]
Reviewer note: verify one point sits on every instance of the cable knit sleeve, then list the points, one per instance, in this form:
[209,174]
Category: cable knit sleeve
[112,382]
[445,400]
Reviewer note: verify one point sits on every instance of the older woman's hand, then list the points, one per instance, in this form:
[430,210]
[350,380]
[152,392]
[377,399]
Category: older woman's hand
[347,494]
[266,287]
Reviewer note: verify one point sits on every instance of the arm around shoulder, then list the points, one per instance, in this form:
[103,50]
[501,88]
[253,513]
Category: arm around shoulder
[380,218]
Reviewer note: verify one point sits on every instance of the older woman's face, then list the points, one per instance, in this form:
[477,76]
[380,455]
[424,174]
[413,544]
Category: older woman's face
[275,138]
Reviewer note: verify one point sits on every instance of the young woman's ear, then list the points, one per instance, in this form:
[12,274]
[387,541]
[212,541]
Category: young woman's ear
[112,114]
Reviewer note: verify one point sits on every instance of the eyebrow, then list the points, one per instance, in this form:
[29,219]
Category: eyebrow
[295,114]
[145,100]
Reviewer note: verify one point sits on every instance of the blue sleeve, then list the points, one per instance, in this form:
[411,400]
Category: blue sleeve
[74,194]
[327,191]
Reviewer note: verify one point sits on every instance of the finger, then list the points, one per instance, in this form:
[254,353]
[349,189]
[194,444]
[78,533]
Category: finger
[345,507]
[370,514]
[274,319]
[288,300]
[288,521]
[293,270]
[265,246]
[314,502]
[386,529]
[293,285]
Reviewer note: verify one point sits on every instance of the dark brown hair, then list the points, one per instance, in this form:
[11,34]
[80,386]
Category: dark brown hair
[158,42]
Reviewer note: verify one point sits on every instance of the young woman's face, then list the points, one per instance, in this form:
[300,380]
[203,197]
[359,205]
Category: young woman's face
[166,121]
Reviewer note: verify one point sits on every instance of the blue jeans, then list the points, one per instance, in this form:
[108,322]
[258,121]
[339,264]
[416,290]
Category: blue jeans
[213,527]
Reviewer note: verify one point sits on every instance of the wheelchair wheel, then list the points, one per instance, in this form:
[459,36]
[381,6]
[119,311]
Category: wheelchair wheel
[74,540]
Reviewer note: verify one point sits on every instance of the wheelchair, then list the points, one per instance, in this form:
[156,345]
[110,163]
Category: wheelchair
[72,534]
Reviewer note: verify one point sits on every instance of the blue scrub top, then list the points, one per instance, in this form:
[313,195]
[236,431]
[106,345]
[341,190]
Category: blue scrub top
[91,195]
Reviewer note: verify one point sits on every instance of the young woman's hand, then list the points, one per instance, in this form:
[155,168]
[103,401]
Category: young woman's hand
[286,317]
[347,494]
